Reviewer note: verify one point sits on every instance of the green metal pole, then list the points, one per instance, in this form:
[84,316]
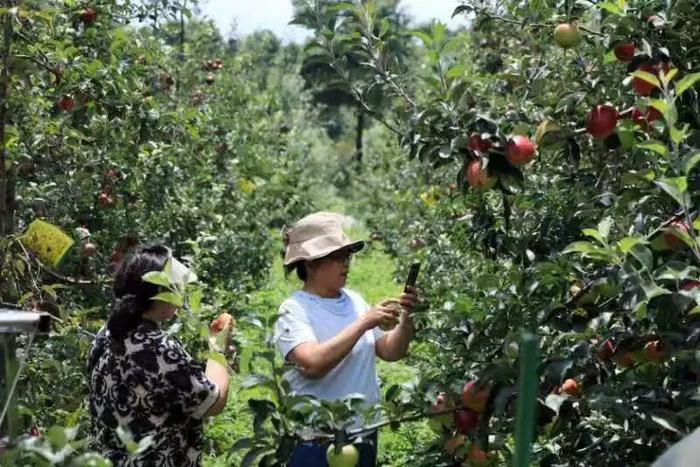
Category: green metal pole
[527,388]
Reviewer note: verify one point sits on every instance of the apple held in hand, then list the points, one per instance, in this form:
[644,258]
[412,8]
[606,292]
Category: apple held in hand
[223,323]
[347,457]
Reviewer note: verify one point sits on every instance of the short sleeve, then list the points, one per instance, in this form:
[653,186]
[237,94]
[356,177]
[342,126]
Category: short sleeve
[292,328]
[190,391]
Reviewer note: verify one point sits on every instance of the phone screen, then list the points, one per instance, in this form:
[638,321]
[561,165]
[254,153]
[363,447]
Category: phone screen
[412,276]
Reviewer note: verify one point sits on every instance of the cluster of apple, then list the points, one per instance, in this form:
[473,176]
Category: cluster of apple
[602,120]
[212,66]
[653,350]
[105,198]
[518,150]
[458,423]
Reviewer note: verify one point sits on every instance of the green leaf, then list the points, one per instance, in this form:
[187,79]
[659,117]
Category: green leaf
[456,71]
[660,105]
[580,247]
[626,244]
[691,161]
[194,300]
[604,227]
[427,40]
[644,256]
[664,423]
[640,310]
[169,297]
[652,290]
[157,278]
[593,233]
[654,146]
[686,83]
[611,7]
[648,77]
[677,188]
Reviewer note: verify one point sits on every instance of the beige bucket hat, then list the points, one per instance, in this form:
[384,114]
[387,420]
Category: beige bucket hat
[316,236]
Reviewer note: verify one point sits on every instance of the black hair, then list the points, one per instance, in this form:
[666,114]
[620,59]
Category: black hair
[300,268]
[132,295]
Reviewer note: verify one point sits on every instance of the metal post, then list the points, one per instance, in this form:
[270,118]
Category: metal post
[8,362]
[527,392]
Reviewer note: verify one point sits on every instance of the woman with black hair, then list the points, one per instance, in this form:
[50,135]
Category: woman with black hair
[142,381]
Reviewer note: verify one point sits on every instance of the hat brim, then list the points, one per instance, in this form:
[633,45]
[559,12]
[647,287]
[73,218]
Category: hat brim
[354,247]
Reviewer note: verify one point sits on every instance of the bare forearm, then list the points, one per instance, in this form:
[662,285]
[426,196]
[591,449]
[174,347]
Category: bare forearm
[320,358]
[218,374]
[399,340]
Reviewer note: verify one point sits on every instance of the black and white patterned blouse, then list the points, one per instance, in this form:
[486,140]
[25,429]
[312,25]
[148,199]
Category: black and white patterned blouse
[150,386]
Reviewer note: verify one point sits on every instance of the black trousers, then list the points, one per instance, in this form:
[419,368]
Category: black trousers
[313,454]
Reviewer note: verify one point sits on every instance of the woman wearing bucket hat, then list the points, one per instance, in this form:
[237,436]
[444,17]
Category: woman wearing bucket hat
[330,332]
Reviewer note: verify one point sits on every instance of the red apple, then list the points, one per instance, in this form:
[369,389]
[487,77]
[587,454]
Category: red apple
[475,398]
[624,52]
[111,173]
[88,16]
[567,35]
[605,350]
[623,359]
[570,387]
[105,200]
[690,285]
[520,150]
[670,235]
[66,104]
[643,87]
[478,177]
[476,455]
[655,351]
[478,144]
[644,119]
[601,121]
[465,420]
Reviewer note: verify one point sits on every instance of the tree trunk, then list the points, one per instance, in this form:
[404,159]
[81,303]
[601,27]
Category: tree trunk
[358,138]
[7,181]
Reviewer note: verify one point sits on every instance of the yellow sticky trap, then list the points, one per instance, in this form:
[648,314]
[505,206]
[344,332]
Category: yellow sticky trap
[47,241]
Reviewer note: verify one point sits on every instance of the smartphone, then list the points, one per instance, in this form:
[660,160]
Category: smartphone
[412,276]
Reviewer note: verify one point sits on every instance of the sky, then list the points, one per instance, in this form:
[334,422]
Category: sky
[252,15]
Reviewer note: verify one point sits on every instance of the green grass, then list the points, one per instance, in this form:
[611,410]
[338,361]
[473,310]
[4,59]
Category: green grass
[372,275]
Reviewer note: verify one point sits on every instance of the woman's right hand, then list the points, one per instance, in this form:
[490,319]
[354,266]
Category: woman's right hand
[220,331]
[383,314]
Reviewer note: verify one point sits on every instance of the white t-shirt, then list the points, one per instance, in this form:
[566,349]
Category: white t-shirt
[305,317]
[685,453]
